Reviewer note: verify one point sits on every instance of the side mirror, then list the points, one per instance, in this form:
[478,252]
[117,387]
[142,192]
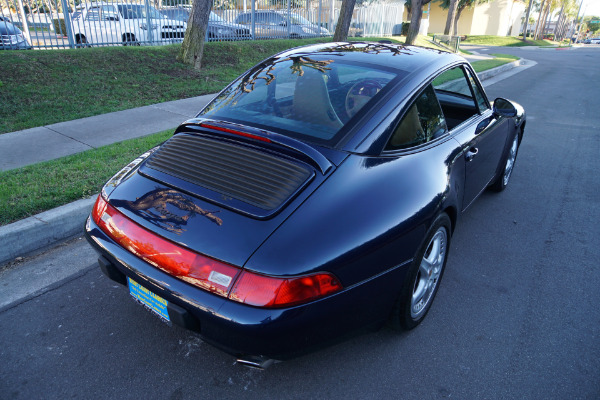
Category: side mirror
[283,23]
[504,108]
[111,17]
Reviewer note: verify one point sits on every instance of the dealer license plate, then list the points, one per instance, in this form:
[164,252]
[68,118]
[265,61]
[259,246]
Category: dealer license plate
[149,299]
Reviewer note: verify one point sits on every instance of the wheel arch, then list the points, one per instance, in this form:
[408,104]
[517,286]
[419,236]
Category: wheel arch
[453,215]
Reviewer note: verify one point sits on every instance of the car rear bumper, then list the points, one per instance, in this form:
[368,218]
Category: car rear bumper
[246,331]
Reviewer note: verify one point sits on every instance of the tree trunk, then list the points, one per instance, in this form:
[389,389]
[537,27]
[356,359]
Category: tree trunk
[547,20]
[451,16]
[192,47]
[343,24]
[415,21]
[539,20]
[558,26]
[527,20]
[458,12]
[542,21]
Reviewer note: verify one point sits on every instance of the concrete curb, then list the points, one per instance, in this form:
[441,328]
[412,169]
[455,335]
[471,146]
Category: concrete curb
[44,229]
[53,226]
[498,70]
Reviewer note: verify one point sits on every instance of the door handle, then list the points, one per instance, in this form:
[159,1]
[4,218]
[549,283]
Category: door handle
[471,153]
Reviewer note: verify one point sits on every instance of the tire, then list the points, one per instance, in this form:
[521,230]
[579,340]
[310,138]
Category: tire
[424,276]
[129,40]
[81,41]
[508,166]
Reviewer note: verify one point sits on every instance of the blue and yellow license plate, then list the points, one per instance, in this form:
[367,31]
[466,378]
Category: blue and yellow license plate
[149,299]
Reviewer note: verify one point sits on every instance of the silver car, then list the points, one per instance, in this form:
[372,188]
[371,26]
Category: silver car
[276,24]
[126,23]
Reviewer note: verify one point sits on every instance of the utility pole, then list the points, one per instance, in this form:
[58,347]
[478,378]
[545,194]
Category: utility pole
[24,21]
[575,25]
[580,22]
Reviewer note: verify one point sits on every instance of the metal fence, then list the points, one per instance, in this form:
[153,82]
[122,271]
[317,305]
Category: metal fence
[43,24]
[451,42]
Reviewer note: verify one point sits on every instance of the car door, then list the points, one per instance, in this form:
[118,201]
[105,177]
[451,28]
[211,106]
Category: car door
[260,25]
[111,24]
[472,123]
[93,29]
[275,26]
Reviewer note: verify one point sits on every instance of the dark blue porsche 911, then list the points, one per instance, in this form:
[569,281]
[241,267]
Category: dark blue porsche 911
[314,196]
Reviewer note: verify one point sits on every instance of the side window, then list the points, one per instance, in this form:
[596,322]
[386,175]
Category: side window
[109,13]
[479,95]
[260,18]
[272,19]
[422,122]
[93,14]
[454,93]
[243,19]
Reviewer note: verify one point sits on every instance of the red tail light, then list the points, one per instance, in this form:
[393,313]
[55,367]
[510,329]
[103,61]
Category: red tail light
[180,262]
[207,273]
[264,291]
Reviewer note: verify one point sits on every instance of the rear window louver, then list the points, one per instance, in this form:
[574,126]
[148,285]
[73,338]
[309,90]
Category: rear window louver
[252,176]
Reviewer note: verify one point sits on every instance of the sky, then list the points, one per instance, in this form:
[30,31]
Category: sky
[593,7]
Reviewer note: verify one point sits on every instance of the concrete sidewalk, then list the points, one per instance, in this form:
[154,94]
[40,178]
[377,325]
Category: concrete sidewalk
[30,146]
[18,149]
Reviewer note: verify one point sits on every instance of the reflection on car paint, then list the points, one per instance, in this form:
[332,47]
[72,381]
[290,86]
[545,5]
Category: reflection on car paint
[164,207]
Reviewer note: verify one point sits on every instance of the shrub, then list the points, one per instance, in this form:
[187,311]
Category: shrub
[59,26]
[405,28]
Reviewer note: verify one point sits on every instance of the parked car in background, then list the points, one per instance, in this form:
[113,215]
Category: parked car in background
[124,23]
[315,196]
[218,28]
[595,41]
[12,38]
[276,24]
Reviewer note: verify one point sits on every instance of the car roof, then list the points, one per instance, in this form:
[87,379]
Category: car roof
[103,3]
[394,56]
[6,28]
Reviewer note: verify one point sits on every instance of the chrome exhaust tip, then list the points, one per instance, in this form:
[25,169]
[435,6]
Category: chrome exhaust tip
[255,362]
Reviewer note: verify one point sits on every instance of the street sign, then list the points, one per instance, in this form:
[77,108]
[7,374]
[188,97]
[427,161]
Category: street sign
[594,21]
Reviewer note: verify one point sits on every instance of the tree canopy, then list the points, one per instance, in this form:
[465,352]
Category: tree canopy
[594,27]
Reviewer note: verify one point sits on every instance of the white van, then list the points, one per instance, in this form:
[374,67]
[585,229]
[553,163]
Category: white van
[126,23]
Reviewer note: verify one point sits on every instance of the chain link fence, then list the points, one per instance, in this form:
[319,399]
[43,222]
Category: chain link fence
[44,24]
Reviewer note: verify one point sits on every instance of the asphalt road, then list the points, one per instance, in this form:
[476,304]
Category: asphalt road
[516,317]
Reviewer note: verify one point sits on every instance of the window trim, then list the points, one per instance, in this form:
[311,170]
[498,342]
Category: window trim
[471,72]
[465,66]
[398,121]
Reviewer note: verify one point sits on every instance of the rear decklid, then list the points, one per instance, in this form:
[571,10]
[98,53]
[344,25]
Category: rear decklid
[219,193]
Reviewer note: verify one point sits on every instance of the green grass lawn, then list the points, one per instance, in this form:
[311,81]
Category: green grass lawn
[500,59]
[48,86]
[509,41]
[29,190]
[36,188]
[478,66]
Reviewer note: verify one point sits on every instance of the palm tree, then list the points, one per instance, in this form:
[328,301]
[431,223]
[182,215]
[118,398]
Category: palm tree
[527,20]
[415,20]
